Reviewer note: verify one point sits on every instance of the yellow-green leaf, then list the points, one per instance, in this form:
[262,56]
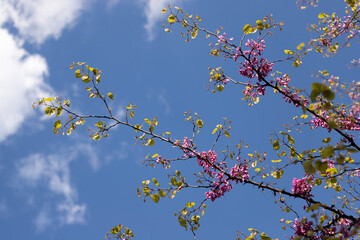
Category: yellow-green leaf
[78,74]
[155,197]
[246,28]
[150,142]
[227,134]
[172,18]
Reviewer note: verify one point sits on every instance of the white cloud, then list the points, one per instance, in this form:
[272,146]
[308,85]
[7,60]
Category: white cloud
[73,213]
[43,220]
[22,74]
[37,20]
[112,3]
[22,82]
[52,172]
[3,208]
[163,100]
[153,14]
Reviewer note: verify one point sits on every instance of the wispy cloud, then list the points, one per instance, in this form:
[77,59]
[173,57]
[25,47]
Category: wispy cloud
[43,220]
[112,3]
[163,100]
[52,172]
[153,14]
[3,208]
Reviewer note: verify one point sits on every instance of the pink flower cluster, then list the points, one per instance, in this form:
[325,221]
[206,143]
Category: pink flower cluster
[240,172]
[161,160]
[219,187]
[247,69]
[338,27]
[222,38]
[347,121]
[302,187]
[187,144]
[304,227]
[283,81]
[221,183]
[206,160]
[254,91]
[256,47]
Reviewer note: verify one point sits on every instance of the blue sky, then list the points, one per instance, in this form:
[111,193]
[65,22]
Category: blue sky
[70,187]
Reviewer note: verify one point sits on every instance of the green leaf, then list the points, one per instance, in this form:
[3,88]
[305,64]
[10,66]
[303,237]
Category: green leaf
[98,78]
[290,139]
[194,34]
[214,131]
[184,212]
[277,174]
[332,125]
[115,230]
[331,182]
[321,166]
[318,87]
[352,150]
[309,168]
[145,182]
[173,181]
[328,94]
[288,52]
[162,193]
[327,152]
[195,218]
[150,142]
[227,134]
[111,96]
[182,222]
[155,182]
[96,137]
[313,95]
[180,10]
[300,46]
[264,236]
[260,25]
[172,18]
[78,74]
[59,111]
[340,159]
[246,28]
[155,197]
[297,62]
[49,111]
[322,15]
[220,88]
[276,145]
[86,78]
[199,123]
[95,71]
[57,124]
[190,204]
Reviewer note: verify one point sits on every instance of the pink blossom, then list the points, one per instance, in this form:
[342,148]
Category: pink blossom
[302,187]
[186,145]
